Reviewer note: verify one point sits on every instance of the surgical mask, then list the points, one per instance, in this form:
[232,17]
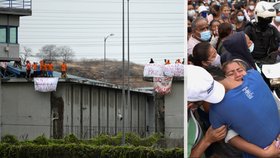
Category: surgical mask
[240,18]
[277,19]
[217,61]
[205,35]
[251,48]
[251,7]
[191,13]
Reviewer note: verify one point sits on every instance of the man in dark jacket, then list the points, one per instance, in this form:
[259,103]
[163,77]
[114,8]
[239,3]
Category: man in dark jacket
[265,37]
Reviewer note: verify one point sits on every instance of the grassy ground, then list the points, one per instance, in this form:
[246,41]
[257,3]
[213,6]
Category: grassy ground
[94,69]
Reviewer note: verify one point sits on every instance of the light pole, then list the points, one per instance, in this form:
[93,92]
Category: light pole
[123,73]
[128,65]
[104,68]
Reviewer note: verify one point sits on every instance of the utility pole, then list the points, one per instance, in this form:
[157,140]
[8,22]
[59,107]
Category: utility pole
[104,67]
[123,90]
[128,61]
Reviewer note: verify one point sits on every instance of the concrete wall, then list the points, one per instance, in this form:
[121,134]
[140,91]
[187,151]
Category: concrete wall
[13,52]
[87,111]
[97,111]
[151,117]
[25,112]
[174,111]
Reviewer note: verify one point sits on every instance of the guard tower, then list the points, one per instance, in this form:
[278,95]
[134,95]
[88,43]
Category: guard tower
[10,13]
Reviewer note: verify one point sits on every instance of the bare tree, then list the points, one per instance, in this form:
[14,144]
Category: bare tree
[27,52]
[66,53]
[49,52]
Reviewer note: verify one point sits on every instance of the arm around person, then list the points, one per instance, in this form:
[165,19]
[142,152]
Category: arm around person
[240,143]
[211,136]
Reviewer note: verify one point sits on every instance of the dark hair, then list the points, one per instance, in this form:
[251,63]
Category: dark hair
[240,11]
[216,10]
[237,11]
[216,72]
[200,53]
[211,23]
[240,4]
[212,3]
[225,29]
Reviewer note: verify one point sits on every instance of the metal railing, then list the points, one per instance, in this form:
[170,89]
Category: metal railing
[16,4]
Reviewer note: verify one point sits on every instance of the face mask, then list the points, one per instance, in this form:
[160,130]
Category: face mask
[263,23]
[191,13]
[205,35]
[277,19]
[217,61]
[240,18]
[251,48]
[204,14]
[251,7]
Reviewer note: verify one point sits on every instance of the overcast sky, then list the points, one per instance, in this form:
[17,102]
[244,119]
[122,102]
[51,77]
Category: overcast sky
[156,28]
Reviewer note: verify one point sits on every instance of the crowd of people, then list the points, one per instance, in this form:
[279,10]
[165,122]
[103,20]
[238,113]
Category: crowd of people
[167,61]
[232,111]
[43,69]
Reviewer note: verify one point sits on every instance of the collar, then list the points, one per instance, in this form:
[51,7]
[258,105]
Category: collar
[196,39]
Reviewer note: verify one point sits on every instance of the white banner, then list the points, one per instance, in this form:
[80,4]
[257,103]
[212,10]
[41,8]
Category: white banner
[153,70]
[43,84]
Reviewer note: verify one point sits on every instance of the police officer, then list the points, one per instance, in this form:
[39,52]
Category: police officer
[265,37]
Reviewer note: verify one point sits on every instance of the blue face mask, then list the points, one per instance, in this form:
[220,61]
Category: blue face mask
[205,35]
[251,48]
[204,14]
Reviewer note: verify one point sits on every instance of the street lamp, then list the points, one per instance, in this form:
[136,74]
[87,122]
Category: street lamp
[123,73]
[128,64]
[105,39]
